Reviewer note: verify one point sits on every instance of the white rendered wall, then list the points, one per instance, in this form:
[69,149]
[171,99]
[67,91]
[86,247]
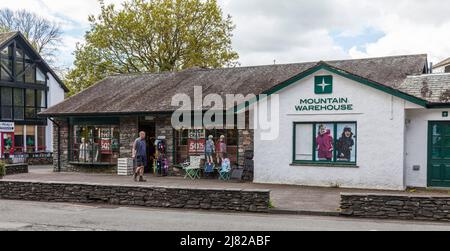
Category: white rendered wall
[55,96]
[417,144]
[380,147]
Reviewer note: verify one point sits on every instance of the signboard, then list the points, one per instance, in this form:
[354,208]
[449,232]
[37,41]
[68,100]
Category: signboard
[324,104]
[323,84]
[7,126]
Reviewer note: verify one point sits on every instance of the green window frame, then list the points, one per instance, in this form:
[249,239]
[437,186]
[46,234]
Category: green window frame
[338,130]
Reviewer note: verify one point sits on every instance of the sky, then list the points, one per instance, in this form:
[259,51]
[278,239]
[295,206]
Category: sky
[289,31]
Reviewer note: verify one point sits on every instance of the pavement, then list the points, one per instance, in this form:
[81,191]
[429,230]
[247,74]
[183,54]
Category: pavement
[39,216]
[286,199]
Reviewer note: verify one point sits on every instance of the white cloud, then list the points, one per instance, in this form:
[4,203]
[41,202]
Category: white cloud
[300,30]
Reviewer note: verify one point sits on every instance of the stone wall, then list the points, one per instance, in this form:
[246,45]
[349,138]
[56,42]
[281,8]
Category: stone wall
[164,197]
[64,147]
[16,169]
[129,132]
[404,207]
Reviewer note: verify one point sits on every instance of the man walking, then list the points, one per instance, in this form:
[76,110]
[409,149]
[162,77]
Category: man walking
[140,155]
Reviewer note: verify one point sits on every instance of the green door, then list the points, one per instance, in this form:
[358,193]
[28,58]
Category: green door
[439,154]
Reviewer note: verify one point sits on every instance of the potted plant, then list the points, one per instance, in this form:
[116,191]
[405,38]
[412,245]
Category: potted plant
[2,169]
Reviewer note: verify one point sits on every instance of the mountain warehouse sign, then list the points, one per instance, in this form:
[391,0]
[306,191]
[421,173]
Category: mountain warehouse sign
[324,104]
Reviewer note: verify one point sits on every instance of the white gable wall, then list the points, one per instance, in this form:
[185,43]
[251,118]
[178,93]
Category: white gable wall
[55,96]
[380,121]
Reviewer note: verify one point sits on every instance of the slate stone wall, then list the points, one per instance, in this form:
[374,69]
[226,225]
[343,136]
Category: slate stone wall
[16,169]
[163,197]
[396,207]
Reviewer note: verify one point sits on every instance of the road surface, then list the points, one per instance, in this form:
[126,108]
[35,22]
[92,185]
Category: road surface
[37,216]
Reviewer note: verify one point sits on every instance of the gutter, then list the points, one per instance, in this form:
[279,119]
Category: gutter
[59,142]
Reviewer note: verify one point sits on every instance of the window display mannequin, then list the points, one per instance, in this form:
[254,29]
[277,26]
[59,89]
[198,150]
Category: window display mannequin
[221,150]
[84,151]
[210,149]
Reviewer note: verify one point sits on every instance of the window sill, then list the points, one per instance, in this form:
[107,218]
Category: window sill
[334,165]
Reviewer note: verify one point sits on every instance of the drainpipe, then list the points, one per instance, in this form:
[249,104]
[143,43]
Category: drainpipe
[59,142]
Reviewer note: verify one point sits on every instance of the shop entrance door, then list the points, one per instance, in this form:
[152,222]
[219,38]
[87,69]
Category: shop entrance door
[439,154]
[149,128]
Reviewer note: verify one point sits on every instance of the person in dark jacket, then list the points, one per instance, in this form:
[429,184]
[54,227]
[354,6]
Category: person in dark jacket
[345,144]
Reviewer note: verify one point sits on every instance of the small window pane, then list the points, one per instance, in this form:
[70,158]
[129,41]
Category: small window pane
[30,74]
[304,142]
[18,97]
[5,76]
[325,142]
[6,96]
[40,97]
[19,71]
[40,77]
[19,54]
[30,113]
[6,52]
[30,98]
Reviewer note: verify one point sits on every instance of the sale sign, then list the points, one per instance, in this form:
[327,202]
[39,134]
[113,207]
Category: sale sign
[197,146]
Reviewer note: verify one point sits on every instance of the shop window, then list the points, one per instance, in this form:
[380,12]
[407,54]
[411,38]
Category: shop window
[192,143]
[19,139]
[6,103]
[95,144]
[325,143]
[31,138]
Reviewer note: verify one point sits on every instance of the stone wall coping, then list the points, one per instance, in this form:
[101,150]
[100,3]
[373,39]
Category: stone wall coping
[398,195]
[135,186]
[17,164]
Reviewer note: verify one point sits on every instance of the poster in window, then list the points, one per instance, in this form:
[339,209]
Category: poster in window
[346,143]
[105,141]
[325,142]
[197,146]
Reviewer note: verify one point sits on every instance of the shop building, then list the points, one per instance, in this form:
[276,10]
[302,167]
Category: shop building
[380,123]
[27,86]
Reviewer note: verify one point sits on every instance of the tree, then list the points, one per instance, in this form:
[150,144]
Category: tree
[44,35]
[153,36]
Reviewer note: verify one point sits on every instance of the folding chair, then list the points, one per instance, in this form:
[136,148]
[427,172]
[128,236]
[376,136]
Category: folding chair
[225,175]
[192,173]
[225,171]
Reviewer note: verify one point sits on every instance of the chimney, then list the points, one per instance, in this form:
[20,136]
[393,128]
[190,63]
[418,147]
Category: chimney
[431,68]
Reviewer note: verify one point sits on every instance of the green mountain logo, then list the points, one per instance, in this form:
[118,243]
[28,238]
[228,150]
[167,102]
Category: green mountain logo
[323,85]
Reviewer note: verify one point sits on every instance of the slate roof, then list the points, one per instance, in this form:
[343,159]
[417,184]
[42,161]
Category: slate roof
[8,36]
[443,63]
[435,88]
[152,93]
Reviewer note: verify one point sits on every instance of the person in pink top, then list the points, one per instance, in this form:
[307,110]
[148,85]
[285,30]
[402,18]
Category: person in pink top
[324,143]
[221,149]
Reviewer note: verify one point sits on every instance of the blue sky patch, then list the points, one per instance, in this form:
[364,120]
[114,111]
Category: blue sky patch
[369,35]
